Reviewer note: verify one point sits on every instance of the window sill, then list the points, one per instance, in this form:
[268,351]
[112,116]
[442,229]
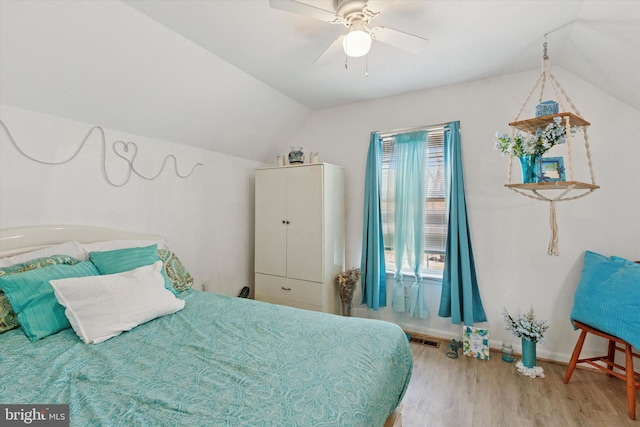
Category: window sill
[427,280]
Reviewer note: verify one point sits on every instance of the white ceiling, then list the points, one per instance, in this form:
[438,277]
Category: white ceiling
[598,41]
[196,72]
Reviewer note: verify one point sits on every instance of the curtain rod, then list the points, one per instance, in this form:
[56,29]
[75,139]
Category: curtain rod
[387,134]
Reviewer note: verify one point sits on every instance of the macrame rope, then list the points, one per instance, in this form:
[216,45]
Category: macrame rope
[546,199]
[586,144]
[567,125]
[103,142]
[526,101]
[553,223]
[524,104]
[544,80]
[586,136]
[556,86]
[566,96]
[554,239]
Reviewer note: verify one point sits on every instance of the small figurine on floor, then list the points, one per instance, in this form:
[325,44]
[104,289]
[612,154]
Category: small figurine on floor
[454,346]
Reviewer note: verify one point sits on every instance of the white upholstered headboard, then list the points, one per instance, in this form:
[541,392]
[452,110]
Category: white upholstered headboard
[24,239]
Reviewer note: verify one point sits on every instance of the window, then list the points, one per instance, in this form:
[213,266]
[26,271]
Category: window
[435,221]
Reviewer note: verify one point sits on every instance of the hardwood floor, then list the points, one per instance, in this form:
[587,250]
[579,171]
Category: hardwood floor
[466,392]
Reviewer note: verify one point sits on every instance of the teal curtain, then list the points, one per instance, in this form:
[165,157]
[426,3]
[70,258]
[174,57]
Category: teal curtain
[373,278]
[410,153]
[460,298]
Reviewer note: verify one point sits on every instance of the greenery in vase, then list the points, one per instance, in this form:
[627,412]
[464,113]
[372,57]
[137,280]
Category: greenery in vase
[526,144]
[526,326]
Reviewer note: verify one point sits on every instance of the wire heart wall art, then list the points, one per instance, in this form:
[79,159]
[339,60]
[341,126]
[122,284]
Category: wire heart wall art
[126,151]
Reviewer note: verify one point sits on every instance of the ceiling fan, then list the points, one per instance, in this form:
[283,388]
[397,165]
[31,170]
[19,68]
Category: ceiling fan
[356,16]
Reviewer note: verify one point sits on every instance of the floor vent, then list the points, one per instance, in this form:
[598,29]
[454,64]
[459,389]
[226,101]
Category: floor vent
[423,340]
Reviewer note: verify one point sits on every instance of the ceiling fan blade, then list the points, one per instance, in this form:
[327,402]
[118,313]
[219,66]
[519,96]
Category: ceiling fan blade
[396,38]
[330,52]
[378,6]
[305,9]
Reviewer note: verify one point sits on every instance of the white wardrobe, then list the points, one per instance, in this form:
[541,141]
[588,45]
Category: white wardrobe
[299,240]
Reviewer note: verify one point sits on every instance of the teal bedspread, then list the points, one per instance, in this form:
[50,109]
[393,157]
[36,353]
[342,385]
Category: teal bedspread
[221,361]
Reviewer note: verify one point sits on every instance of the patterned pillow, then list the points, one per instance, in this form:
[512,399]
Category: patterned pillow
[8,319]
[179,277]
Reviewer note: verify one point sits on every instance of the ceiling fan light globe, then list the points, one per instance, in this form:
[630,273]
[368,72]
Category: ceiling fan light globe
[356,43]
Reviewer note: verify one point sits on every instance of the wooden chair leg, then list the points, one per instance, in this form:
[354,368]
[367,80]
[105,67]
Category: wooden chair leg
[611,355]
[629,375]
[631,383]
[575,356]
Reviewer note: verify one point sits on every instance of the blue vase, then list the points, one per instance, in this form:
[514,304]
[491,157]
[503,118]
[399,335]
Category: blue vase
[528,166]
[546,108]
[528,353]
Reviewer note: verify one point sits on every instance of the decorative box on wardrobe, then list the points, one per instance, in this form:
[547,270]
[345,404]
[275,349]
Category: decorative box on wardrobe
[299,235]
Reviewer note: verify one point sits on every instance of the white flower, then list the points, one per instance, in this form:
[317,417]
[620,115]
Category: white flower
[526,326]
[523,144]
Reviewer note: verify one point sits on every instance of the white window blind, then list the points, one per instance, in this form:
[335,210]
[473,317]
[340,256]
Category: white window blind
[435,221]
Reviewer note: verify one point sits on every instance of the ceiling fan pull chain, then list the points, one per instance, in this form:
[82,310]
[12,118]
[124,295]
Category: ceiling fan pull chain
[366,65]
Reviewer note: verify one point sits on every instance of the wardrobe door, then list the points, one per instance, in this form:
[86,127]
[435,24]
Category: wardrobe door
[305,228]
[270,222]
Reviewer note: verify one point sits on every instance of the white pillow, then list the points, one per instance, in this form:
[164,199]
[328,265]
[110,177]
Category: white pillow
[73,249]
[111,245]
[102,307]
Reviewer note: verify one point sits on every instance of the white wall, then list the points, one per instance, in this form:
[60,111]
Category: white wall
[105,62]
[206,218]
[510,232]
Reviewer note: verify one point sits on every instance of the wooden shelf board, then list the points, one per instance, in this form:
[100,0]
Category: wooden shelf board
[530,125]
[560,185]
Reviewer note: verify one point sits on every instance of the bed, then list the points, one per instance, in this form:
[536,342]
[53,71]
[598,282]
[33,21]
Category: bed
[218,361]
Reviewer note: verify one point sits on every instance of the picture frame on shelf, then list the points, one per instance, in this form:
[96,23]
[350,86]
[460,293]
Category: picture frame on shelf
[550,169]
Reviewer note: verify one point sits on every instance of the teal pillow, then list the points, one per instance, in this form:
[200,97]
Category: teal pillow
[8,319]
[608,296]
[33,300]
[127,259]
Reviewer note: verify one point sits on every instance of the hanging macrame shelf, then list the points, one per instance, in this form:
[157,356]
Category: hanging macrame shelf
[548,191]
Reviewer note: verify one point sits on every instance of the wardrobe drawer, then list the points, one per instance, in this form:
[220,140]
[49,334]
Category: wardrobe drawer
[282,290]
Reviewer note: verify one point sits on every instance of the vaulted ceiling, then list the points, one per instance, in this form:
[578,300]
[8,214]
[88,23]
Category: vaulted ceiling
[197,72]
[598,41]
